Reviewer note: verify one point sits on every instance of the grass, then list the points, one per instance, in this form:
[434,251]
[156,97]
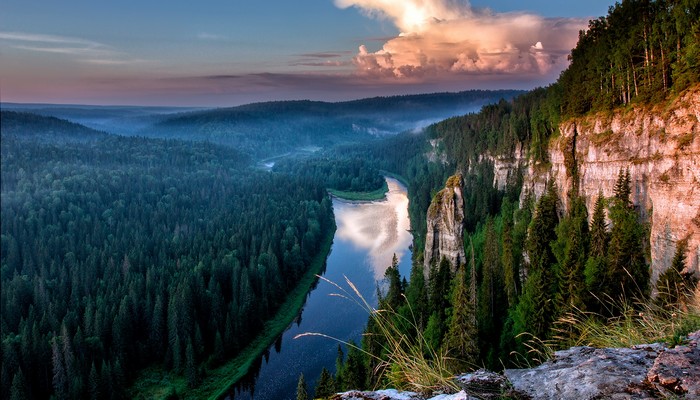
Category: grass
[408,362]
[156,383]
[638,324]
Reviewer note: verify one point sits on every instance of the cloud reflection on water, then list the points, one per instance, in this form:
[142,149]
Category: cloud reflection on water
[379,227]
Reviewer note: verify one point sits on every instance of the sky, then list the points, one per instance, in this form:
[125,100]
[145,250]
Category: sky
[230,52]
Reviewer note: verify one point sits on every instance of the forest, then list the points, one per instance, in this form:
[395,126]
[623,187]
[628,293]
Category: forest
[118,253]
[531,265]
[121,253]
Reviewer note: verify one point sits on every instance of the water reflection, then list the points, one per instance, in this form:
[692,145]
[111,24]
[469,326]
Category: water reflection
[367,236]
[381,228]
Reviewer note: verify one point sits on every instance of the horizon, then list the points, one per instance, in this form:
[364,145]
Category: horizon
[228,54]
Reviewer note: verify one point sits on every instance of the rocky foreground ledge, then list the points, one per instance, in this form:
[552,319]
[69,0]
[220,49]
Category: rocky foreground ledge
[641,372]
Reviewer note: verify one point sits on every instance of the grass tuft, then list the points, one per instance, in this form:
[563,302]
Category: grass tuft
[637,324]
[406,362]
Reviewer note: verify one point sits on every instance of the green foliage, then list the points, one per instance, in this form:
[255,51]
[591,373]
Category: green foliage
[461,339]
[302,393]
[325,386]
[640,52]
[116,245]
[675,286]
[627,272]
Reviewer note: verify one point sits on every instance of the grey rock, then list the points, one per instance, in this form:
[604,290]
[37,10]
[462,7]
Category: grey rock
[483,384]
[587,373]
[677,371]
[445,223]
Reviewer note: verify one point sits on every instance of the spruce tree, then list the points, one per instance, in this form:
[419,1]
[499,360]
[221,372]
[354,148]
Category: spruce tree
[302,393]
[627,273]
[572,291]
[417,297]
[510,269]
[596,264]
[393,298]
[326,385]
[461,338]
[535,311]
[674,286]
[18,391]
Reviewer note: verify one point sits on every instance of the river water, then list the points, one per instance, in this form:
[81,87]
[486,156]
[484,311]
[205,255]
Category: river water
[368,235]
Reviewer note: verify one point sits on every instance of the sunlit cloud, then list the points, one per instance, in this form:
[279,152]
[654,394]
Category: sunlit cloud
[443,38]
[86,51]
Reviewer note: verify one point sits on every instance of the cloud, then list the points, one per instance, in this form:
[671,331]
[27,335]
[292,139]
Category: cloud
[325,54]
[86,51]
[210,36]
[444,38]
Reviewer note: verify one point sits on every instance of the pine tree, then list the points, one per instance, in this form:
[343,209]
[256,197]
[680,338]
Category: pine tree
[94,384]
[302,393]
[355,371]
[510,269]
[492,297]
[460,340]
[417,297]
[627,272]
[190,365]
[571,293]
[535,311]
[339,367]
[18,391]
[60,377]
[326,386]
[596,265]
[673,285]
[393,298]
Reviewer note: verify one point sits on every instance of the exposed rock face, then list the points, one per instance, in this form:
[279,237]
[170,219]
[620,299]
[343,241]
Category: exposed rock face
[661,148]
[678,370]
[641,372]
[445,225]
[584,373]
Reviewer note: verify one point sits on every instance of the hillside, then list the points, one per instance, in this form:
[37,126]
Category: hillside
[273,128]
[26,126]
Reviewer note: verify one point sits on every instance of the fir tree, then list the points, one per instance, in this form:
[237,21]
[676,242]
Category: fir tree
[302,393]
[18,391]
[596,265]
[417,297]
[535,310]
[393,298]
[674,286]
[627,273]
[510,269]
[326,385]
[94,384]
[460,340]
[572,292]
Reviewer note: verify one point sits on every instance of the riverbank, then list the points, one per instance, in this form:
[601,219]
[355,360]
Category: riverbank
[378,194]
[155,383]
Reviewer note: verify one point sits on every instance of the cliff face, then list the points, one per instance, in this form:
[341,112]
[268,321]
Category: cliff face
[445,225]
[661,148]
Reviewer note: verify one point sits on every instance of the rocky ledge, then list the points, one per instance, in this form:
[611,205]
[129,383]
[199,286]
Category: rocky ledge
[641,372]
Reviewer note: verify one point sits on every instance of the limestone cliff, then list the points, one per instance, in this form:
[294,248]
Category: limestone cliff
[661,148]
[445,225]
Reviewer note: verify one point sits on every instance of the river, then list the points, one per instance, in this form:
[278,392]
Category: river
[368,235]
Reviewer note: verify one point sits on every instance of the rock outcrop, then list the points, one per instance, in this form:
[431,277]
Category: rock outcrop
[661,148]
[445,225]
[640,372]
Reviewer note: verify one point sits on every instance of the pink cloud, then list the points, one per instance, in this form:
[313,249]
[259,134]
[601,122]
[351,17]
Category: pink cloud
[442,38]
